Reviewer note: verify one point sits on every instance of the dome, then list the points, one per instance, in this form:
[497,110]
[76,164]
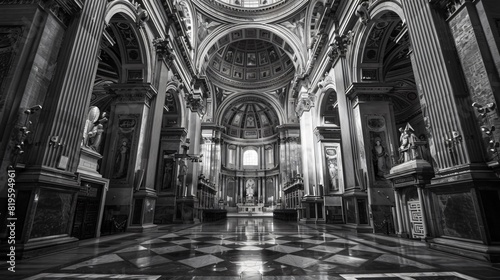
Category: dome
[251,64]
[250,120]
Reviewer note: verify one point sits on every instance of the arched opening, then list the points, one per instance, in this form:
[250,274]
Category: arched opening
[388,102]
[250,153]
[110,134]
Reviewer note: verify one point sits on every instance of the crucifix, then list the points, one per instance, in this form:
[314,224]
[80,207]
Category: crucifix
[183,168]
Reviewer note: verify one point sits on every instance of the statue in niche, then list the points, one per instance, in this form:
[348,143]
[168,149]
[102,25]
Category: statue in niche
[121,160]
[333,170]
[380,159]
[168,168]
[407,140]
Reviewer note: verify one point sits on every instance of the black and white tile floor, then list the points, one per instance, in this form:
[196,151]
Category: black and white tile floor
[251,248]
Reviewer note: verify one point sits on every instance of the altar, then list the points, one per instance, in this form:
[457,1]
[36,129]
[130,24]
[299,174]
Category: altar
[250,207]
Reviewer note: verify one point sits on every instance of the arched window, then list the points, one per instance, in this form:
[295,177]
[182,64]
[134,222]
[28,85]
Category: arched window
[250,157]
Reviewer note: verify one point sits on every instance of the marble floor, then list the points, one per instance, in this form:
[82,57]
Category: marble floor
[250,248]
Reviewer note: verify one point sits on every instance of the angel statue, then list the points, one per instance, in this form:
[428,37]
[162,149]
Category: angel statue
[204,27]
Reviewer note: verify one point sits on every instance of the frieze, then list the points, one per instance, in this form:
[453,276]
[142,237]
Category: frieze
[137,93]
[276,82]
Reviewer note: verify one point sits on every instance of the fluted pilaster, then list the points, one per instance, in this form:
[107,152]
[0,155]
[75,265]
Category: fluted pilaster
[69,94]
[440,83]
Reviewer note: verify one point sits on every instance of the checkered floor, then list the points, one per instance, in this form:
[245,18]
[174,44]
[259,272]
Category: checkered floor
[268,249]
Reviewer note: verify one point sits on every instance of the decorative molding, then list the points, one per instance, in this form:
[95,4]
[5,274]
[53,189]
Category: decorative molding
[339,45]
[304,104]
[362,12]
[133,93]
[163,49]
[195,103]
[327,80]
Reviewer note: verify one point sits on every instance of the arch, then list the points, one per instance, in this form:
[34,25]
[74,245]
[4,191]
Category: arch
[314,8]
[363,32]
[213,41]
[173,86]
[271,102]
[129,12]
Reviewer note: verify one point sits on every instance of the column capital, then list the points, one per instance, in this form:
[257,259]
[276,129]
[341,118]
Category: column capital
[304,103]
[195,102]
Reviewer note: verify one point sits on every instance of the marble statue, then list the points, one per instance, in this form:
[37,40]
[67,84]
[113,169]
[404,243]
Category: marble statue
[121,160]
[250,188]
[88,129]
[407,140]
[333,170]
[380,158]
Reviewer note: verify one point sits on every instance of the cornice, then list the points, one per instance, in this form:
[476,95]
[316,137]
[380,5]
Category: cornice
[234,85]
[256,142]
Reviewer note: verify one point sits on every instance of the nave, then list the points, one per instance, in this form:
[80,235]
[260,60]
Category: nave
[251,248]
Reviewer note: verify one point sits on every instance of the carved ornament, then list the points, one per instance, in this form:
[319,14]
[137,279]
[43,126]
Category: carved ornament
[164,51]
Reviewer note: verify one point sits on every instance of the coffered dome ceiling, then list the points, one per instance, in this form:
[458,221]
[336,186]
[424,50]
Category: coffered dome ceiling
[250,64]
[250,120]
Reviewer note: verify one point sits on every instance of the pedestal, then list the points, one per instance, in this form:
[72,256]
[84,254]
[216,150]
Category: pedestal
[91,198]
[408,180]
[143,211]
[89,162]
[356,212]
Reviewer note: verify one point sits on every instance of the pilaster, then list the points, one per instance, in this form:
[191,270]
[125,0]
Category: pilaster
[441,83]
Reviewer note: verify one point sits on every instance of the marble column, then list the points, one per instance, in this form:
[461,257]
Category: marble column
[305,103]
[354,182]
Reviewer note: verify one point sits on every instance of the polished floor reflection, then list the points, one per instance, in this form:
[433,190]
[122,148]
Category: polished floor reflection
[252,248]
